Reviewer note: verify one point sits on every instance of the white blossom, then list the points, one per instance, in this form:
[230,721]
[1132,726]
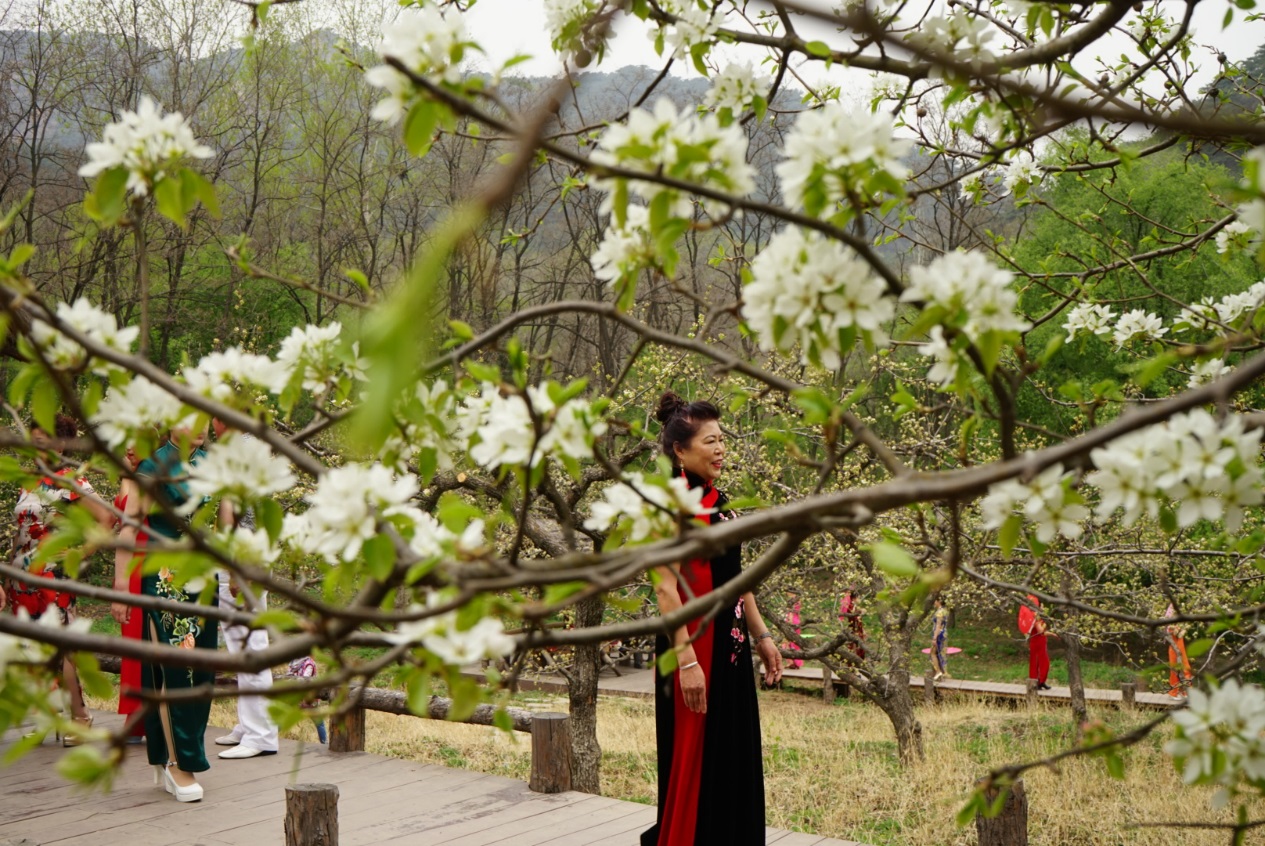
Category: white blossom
[644,510]
[240,468]
[1233,234]
[219,375]
[835,151]
[944,372]
[963,35]
[807,289]
[1204,372]
[625,249]
[250,546]
[311,350]
[344,509]
[1021,171]
[1088,317]
[967,282]
[692,25]
[440,635]
[1137,323]
[427,42]
[734,88]
[1220,738]
[1046,501]
[138,407]
[97,325]
[148,144]
[565,20]
[654,142]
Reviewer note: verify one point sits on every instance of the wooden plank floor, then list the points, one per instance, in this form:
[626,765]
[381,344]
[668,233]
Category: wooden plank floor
[381,800]
[640,684]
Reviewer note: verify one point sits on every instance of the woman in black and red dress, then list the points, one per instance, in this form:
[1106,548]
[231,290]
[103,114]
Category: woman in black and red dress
[711,777]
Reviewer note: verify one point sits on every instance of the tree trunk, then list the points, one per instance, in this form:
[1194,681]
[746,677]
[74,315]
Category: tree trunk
[586,758]
[898,704]
[1075,682]
[1010,827]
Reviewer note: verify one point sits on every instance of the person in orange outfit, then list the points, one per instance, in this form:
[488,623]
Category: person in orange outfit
[1176,637]
[1032,626]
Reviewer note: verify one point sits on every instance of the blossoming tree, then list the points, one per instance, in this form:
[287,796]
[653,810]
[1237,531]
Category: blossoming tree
[473,499]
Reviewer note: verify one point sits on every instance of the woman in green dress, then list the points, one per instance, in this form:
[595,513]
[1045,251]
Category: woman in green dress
[175,731]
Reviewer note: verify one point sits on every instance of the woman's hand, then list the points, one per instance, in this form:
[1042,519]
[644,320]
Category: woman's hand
[693,688]
[771,658]
[120,612]
[4,599]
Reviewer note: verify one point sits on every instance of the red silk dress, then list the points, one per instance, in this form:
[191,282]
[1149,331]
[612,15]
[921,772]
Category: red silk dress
[1032,627]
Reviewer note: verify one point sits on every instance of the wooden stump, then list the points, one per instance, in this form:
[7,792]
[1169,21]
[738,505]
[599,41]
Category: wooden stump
[1010,827]
[312,815]
[827,686]
[929,690]
[550,753]
[347,733]
[1128,695]
[1033,693]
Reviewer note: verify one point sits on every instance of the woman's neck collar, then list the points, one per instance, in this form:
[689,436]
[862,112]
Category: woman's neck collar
[694,480]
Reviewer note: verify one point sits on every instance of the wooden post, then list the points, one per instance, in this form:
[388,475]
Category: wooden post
[1033,693]
[550,753]
[827,686]
[347,733]
[1010,827]
[312,815]
[929,689]
[1128,695]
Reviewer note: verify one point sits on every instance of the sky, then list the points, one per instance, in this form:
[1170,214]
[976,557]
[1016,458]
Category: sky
[508,27]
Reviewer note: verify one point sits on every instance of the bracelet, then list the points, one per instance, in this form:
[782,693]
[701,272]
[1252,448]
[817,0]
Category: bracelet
[761,637]
[688,666]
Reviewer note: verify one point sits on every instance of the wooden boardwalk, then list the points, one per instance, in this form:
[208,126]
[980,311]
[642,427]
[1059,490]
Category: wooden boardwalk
[640,684]
[381,800]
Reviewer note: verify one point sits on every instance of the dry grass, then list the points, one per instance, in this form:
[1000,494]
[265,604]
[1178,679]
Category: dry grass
[833,771]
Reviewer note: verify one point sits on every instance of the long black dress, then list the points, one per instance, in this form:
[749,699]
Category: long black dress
[711,777]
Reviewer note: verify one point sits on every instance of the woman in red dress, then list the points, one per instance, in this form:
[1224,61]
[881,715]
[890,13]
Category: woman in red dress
[711,777]
[1032,627]
[128,578]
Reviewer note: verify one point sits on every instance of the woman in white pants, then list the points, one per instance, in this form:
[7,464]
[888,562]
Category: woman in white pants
[255,733]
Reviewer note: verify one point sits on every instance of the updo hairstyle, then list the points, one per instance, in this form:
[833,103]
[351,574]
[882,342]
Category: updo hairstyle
[681,421]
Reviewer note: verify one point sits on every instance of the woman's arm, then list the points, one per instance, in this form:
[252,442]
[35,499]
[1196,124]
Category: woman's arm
[124,554]
[688,673]
[770,655]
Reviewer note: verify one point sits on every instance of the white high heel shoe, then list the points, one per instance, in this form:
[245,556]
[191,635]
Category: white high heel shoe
[192,793]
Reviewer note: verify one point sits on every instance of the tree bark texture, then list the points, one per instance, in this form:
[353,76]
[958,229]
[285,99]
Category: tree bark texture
[897,703]
[1075,681]
[550,754]
[347,732]
[1010,827]
[311,815]
[586,757]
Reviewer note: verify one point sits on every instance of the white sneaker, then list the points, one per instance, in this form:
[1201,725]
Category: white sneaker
[244,752]
[228,740]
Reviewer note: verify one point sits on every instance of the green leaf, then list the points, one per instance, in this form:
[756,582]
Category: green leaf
[1009,533]
[417,688]
[820,49]
[461,329]
[420,125]
[108,200]
[169,199]
[22,383]
[93,681]
[465,696]
[1196,648]
[454,513]
[197,188]
[270,516]
[557,593]
[668,662]
[894,560]
[278,617]
[379,554]
[45,401]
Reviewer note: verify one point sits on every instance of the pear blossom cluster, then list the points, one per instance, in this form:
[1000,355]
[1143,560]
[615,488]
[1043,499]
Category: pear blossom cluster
[1048,501]
[1202,467]
[441,635]
[21,650]
[1137,324]
[1021,173]
[250,547]
[948,359]
[566,20]
[429,434]
[813,291]
[314,351]
[1088,318]
[1220,739]
[685,146]
[626,248]
[148,144]
[645,509]
[734,89]
[138,408]
[1235,235]
[428,43]
[834,153]
[961,35]
[693,23]
[502,432]
[228,376]
[1204,372]
[82,316]
[345,507]
[975,294]
[239,468]
[1227,310]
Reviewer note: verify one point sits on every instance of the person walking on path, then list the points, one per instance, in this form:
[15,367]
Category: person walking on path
[939,640]
[1032,626]
[128,579]
[1176,637]
[255,733]
[850,616]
